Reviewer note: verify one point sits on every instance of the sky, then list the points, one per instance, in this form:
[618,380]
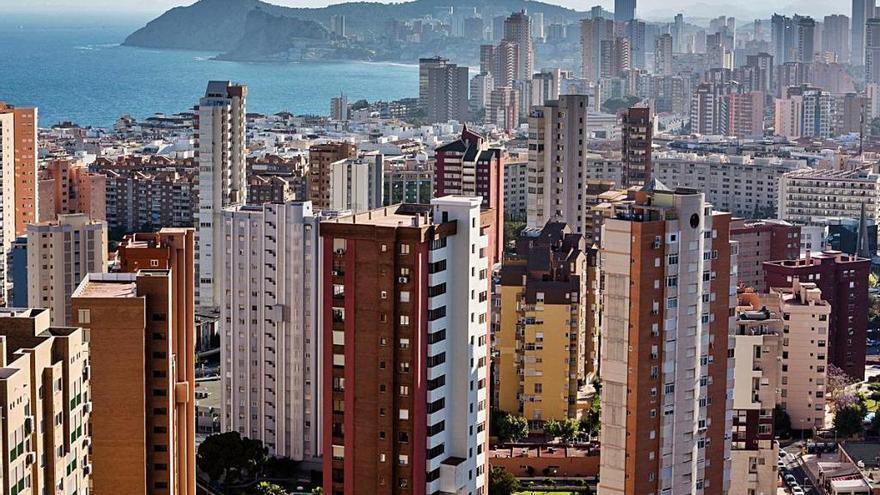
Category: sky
[649,9]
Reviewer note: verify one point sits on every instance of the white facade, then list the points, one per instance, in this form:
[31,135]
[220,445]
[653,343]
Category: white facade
[60,254]
[466,389]
[7,200]
[356,184]
[807,194]
[270,286]
[222,171]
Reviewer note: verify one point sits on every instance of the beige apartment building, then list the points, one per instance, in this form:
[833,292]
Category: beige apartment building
[141,333]
[60,254]
[805,318]
[46,402]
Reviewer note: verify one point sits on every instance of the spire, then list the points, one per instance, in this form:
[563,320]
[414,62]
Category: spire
[862,247]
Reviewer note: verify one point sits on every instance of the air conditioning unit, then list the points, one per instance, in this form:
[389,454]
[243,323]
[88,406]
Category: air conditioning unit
[403,280]
[87,372]
[28,424]
[30,458]
[339,251]
[87,407]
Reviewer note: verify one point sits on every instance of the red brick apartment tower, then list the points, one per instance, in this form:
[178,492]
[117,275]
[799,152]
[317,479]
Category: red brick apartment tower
[25,160]
[760,241]
[843,280]
[405,339]
[321,157]
[667,261]
[638,132]
[468,167]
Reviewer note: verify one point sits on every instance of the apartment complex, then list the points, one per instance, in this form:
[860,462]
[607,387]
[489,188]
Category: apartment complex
[810,193]
[805,318]
[46,399]
[18,179]
[357,184]
[67,186]
[271,344]
[443,90]
[221,147]
[60,253]
[761,241]
[757,377]
[745,186]
[557,158]
[669,274]
[405,311]
[517,29]
[546,338]
[142,338]
[516,189]
[320,179]
[843,279]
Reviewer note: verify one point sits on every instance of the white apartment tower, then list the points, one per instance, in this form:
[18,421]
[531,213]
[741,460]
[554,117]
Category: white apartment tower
[270,287]
[221,146]
[557,154]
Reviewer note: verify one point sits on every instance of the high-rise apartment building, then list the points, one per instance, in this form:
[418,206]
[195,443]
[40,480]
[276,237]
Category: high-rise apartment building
[506,64]
[872,51]
[614,57]
[469,167]
[805,342]
[624,10]
[761,241]
[862,10]
[807,194]
[663,55]
[60,254]
[425,66]
[638,132]
[446,96]
[557,155]
[405,311]
[757,378]
[669,278]
[843,281]
[635,32]
[46,399]
[593,32]
[18,176]
[783,38]
[339,109]
[762,71]
[546,338]
[67,186]
[141,327]
[806,39]
[321,160]
[517,29]
[503,109]
[356,184]
[221,150]
[745,114]
[836,36]
[270,366]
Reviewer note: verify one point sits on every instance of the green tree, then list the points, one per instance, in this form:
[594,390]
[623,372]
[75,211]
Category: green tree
[510,428]
[568,430]
[848,420]
[552,428]
[781,423]
[613,105]
[229,457]
[501,482]
[266,488]
[589,424]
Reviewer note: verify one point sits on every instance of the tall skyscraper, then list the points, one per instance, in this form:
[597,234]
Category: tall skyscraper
[862,10]
[593,33]
[406,309]
[615,57]
[806,46]
[635,32]
[18,174]
[872,51]
[356,184]
[624,10]
[545,338]
[221,148]
[45,393]
[663,55]
[517,28]
[141,327]
[678,33]
[745,114]
[557,159]
[506,64]
[321,160]
[503,109]
[667,271]
[425,65]
[270,347]
[60,254]
[762,65]
[447,93]
[638,132]
[783,39]
[837,36]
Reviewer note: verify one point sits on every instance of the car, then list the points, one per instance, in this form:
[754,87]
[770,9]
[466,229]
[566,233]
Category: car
[790,480]
[796,490]
[780,464]
[782,454]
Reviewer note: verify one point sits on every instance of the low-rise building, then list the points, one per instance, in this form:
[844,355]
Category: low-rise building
[810,193]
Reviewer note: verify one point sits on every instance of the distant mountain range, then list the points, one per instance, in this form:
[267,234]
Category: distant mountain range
[229,26]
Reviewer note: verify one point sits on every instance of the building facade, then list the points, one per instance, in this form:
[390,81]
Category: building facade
[761,241]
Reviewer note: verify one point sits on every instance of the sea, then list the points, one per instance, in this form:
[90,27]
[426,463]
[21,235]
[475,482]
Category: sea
[76,70]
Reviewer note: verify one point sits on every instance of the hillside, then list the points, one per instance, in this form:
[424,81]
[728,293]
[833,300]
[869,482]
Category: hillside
[219,25]
[268,36]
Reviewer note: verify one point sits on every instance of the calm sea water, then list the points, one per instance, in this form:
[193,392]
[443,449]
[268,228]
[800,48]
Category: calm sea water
[77,71]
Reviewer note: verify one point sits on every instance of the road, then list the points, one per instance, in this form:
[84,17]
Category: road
[794,467]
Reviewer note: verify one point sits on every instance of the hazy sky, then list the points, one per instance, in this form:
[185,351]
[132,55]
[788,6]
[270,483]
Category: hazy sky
[646,8]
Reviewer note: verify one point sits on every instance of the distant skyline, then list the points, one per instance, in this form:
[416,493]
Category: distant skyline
[647,9]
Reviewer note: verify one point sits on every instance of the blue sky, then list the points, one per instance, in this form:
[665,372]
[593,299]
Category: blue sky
[650,9]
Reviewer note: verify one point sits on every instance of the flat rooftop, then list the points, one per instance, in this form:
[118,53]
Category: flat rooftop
[107,285]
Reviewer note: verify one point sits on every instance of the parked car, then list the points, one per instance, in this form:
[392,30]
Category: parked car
[797,490]
[790,480]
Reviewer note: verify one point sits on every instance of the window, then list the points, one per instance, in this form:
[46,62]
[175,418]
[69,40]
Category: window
[404,249]
[85,316]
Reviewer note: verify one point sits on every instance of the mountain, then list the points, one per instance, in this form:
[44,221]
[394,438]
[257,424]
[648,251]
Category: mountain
[268,37]
[220,25]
